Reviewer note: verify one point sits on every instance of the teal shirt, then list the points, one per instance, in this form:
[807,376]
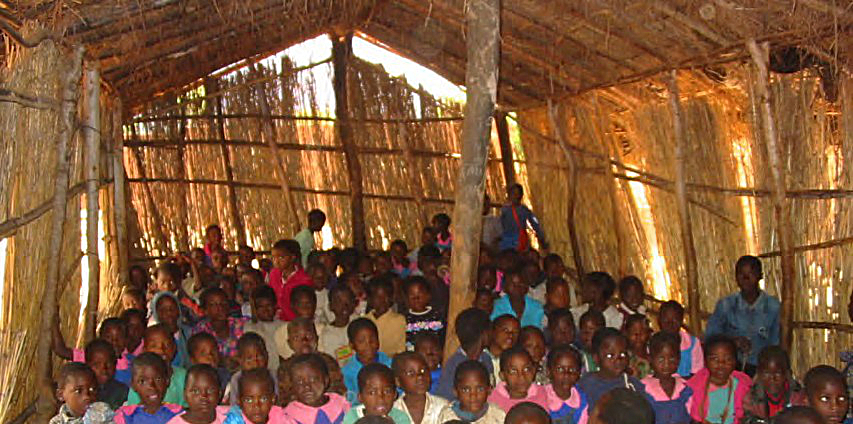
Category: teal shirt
[719,400]
[354,414]
[174,394]
[305,238]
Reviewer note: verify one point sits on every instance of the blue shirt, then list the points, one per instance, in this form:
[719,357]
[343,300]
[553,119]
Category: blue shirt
[139,416]
[534,313]
[759,322]
[448,372]
[350,372]
[594,386]
[509,236]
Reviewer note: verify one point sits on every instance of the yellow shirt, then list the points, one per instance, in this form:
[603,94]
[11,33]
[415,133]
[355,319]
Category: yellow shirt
[392,331]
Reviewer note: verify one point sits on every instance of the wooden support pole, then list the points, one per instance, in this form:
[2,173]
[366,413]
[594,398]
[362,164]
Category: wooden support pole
[690,262]
[183,190]
[149,197]
[70,81]
[233,208]
[341,51]
[506,147]
[120,194]
[92,149]
[481,82]
[760,56]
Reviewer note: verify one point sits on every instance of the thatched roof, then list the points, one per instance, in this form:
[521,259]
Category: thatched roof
[550,48]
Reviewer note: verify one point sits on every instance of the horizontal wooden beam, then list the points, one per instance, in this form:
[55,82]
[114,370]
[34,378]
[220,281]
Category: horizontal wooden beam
[296,118]
[809,247]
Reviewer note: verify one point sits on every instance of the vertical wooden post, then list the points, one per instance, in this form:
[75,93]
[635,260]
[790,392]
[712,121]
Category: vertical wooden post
[483,20]
[120,194]
[341,51]
[506,147]
[67,118]
[183,188]
[92,148]
[780,206]
[690,262]
[234,210]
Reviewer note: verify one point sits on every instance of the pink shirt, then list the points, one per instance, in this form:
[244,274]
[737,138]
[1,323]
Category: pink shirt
[299,413]
[655,390]
[500,396]
[79,355]
[697,357]
[555,403]
[221,412]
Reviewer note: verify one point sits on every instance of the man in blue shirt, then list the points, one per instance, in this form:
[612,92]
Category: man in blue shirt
[751,316]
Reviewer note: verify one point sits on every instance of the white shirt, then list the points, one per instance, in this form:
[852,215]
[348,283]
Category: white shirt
[432,409]
[612,317]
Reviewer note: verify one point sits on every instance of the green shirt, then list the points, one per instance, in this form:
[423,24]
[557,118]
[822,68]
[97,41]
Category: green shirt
[397,415]
[305,238]
[174,394]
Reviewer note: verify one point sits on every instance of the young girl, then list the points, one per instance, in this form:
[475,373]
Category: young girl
[420,316]
[561,328]
[257,400]
[517,303]
[589,324]
[472,388]
[376,393]
[333,339]
[670,319]
[637,330]
[518,371]
[666,391]
[533,341]
[505,329]
[413,376]
[314,403]
[150,379]
[773,389]
[610,348]
[565,402]
[202,393]
[718,389]
[429,347]
[443,237]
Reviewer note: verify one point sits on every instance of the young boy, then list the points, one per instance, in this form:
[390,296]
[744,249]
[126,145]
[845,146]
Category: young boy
[136,323]
[827,394]
[472,331]
[333,339]
[305,238]
[319,281]
[420,316]
[286,275]
[376,393]
[670,319]
[413,376]
[364,340]
[430,348]
[76,388]
[264,322]
[429,259]
[390,324]
[632,294]
[249,282]
[515,219]
[303,302]
[472,389]
[203,349]
[158,340]
[112,330]
[517,303]
[596,290]
[527,413]
[150,378]
[101,358]
[505,329]
[554,267]
[251,354]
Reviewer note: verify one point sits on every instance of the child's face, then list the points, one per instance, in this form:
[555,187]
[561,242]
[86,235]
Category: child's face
[378,395]
[256,400]
[564,372]
[484,302]
[515,286]
[216,307]
[380,300]
[430,350]
[555,269]
[103,364]
[613,357]
[427,237]
[638,336]
[747,279]
[135,330]
[505,334]
[414,377]
[219,259]
[263,309]
[562,331]
[116,336]
[356,286]
[165,282]
[534,344]
[365,344]
[151,386]
[632,296]
[557,296]
[342,304]
[398,251]
[670,320]
[665,362]
[472,390]
[518,375]
[131,301]
[168,312]
[830,401]
[316,224]
[252,357]
[214,237]
[588,329]
[248,284]
[720,361]
[418,297]
[197,255]
[310,385]
[319,277]
[487,280]
[773,374]
[245,256]
[590,292]
[302,338]
[382,265]
[303,306]
[206,352]
[161,344]
[202,394]
[282,259]
[78,392]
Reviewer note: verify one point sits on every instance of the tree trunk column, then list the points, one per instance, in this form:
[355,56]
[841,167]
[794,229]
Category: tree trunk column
[341,51]
[481,82]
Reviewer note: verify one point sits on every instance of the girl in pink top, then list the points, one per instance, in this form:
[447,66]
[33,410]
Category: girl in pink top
[564,401]
[314,403]
[667,391]
[718,389]
[518,372]
[202,392]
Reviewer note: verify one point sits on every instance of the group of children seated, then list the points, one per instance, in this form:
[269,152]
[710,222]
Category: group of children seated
[343,337]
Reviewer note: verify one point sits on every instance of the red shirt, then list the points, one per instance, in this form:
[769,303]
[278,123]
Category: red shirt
[284,288]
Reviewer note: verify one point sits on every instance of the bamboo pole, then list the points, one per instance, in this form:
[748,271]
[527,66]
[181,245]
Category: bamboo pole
[341,51]
[300,118]
[780,206]
[149,197]
[67,123]
[690,262]
[481,80]
[183,201]
[92,137]
[233,208]
[120,194]
[506,147]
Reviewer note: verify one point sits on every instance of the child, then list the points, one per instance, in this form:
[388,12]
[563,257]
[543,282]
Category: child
[622,406]
[670,319]
[333,339]
[150,379]
[632,296]
[264,322]
[799,415]
[443,238]
[112,330]
[561,328]
[213,239]
[250,281]
[718,389]
[505,329]
[484,299]
[420,316]
[257,399]
[827,393]
[429,259]
[319,280]
[305,238]
[251,354]
[314,403]
[226,329]
[557,294]
[518,371]
[76,390]
[101,358]
[666,391]
[565,402]
[203,350]
[430,348]
[158,340]
[286,275]
[364,340]
[202,392]
[136,324]
[390,324]
[596,290]
[167,311]
[413,376]
[773,389]
[638,331]
[527,413]
[515,219]
[472,331]
[400,263]
[554,268]
[590,322]
[376,393]
[303,300]
[517,303]
[132,298]
[533,341]
[472,388]
[610,349]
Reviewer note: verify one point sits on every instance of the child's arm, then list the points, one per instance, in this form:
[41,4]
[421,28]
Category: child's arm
[59,347]
[537,228]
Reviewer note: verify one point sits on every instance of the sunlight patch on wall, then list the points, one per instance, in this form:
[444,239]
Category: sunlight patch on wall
[84,261]
[4,243]
[659,274]
[746,178]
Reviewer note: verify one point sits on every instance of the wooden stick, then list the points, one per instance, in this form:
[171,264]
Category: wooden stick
[809,247]
[506,147]
[780,206]
[149,197]
[341,51]
[234,210]
[120,194]
[92,137]
[9,226]
[483,20]
[300,118]
[67,122]
[690,262]
[182,192]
